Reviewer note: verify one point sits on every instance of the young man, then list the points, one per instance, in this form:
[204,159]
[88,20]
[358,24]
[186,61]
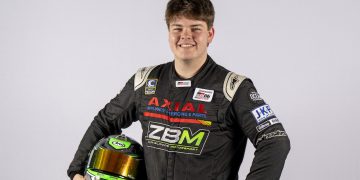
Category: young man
[196,116]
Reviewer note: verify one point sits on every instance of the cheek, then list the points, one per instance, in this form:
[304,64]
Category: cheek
[201,40]
[201,37]
[172,42]
[173,38]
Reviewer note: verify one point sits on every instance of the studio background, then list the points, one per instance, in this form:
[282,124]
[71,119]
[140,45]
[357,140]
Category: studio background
[62,61]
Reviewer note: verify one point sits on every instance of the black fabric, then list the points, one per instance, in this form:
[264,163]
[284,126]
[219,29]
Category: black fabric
[188,138]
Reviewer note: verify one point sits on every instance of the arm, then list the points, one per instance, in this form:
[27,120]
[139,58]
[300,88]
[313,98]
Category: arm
[260,125]
[119,113]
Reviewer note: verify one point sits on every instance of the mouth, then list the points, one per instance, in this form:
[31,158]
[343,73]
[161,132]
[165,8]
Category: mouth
[186,45]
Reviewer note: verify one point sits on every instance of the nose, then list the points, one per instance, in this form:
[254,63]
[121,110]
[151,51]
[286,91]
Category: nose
[186,35]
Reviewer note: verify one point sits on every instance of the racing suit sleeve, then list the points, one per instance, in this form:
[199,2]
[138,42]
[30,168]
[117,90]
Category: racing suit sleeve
[259,123]
[119,113]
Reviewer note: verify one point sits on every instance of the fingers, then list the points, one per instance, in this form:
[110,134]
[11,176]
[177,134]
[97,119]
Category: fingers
[78,177]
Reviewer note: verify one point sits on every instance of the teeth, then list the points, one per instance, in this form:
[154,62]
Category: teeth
[186,45]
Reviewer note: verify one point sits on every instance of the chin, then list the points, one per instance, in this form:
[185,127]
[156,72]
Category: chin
[186,59]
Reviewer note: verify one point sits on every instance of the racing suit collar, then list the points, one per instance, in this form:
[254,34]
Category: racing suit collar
[209,63]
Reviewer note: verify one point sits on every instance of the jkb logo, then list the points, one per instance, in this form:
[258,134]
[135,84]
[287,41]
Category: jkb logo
[175,139]
[263,112]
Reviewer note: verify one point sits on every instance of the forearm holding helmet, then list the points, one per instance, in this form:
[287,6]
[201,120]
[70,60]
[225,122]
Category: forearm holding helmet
[119,113]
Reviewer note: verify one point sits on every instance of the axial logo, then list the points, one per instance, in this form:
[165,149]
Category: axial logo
[176,106]
[175,139]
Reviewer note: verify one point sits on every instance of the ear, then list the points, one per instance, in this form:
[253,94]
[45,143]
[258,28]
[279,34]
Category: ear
[211,35]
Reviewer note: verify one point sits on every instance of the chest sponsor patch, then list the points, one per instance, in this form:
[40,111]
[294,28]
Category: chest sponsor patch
[150,86]
[175,111]
[203,95]
[186,83]
[176,139]
[261,113]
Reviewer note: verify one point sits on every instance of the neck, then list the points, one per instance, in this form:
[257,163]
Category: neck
[188,68]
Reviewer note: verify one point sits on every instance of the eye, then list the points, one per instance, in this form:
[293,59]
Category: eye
[196,29]
[177,29]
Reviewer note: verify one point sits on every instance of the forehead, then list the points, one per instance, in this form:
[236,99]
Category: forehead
[184,21]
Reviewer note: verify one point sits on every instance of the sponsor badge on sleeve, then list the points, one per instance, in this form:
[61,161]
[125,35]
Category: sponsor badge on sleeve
[261,113]
[267,124]
[254,96]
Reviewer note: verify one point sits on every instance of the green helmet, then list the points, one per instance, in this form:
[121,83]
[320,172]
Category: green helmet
[116,157]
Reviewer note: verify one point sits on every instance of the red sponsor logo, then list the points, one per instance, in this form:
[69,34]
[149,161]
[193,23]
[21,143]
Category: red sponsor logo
[177,106]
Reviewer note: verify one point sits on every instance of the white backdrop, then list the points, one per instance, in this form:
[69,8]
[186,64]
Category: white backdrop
[61,61]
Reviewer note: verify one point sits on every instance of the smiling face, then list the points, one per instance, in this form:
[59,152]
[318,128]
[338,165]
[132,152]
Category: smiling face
[189,39]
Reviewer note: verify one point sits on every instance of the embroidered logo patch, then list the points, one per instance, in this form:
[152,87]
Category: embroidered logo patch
[267,124]
[150,86]
[176,139]
[261,113]
[254,96]
[186,83]
[273,134]
[203,95]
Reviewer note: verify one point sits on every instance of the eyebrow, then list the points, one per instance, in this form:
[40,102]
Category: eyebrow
[194,25]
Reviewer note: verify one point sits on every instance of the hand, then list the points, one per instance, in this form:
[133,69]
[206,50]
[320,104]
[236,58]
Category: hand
[78,177]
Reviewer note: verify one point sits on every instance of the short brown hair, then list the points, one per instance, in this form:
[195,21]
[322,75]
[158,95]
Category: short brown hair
[192,9]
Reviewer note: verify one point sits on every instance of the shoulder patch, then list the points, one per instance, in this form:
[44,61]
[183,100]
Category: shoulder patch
[231,84]
[141,75]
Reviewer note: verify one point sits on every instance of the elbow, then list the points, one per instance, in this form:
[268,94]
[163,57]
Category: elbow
[281,148]
[286,145]
[281,145]
[275,141]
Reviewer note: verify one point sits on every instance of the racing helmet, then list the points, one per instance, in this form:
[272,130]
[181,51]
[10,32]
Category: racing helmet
[116,157]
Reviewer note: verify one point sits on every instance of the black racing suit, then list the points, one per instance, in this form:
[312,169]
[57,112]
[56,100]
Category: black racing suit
[193,130]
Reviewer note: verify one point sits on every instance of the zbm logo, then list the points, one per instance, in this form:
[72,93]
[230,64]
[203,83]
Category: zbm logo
[175,139]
